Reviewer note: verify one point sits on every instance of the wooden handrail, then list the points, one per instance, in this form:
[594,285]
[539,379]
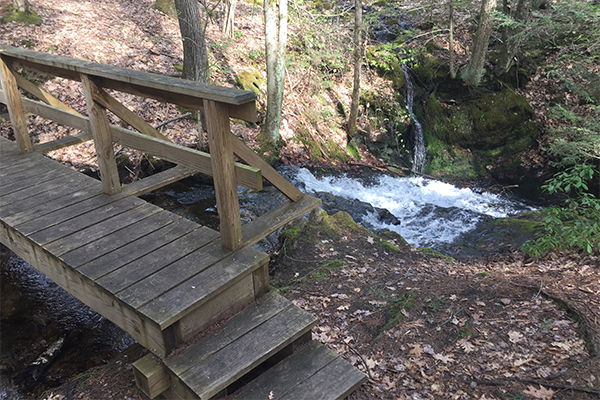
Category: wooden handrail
[218,103]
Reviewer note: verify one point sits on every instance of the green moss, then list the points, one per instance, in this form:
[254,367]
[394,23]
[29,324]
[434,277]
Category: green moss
[390,247]
[521,225]
[430,67]
[166,7]
[431,252]
[394,312]
[250,80]
[353,151]
[335,152]
[30,18]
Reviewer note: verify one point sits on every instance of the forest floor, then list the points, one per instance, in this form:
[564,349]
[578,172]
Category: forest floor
[421,325]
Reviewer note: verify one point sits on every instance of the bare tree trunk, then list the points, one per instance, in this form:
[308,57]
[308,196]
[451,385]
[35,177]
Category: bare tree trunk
[473,72]
[358,52]
[510,35]
[21,6]
[451,39]
[229,18]
[195,58]
[275,42]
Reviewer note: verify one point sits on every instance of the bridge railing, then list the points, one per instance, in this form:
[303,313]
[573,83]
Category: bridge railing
[218,104]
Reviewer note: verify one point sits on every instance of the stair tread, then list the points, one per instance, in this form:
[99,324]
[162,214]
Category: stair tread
[314,372]
[244,342]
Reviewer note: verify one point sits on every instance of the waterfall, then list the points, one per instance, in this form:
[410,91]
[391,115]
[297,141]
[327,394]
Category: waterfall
[419,151]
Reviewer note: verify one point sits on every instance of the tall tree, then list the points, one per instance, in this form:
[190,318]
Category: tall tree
[358,53]
[473,72]
[229,17]
[512,31]
[276,19]
[193,29]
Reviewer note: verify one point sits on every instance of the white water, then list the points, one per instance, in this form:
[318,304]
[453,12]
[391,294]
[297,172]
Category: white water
[430,212]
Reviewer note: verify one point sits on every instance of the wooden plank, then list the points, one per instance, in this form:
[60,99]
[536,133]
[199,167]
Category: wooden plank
[189,282]
[43,95]
[157,181]
[27,172]
[137,249]
[65,66]
[62,142]
[219,138]
[105,153]
[15,106]
[268,172]
[229,302]
[193,159]
[287,374]
[110,103]
[3,99]
[142,330]
[120,238]
[61,210]
[24,182]
[334,382]
[274,219]
[233,361]
[156,260]
[32,200]
[57,115]
[151,376]
[87,217]
[53,188]
[265,308]
[101,229]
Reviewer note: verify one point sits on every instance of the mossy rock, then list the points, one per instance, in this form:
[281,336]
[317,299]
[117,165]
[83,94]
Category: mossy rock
[430,68]
[250,80]
[166,7]
[30,18]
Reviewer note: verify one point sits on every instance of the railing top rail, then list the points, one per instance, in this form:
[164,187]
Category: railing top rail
[119,78]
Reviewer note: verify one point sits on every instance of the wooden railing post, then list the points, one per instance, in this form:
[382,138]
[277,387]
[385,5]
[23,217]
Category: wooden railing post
[100,128]
[15,108]
[221,154]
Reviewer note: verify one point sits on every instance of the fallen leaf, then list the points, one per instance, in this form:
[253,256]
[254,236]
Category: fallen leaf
[515,337]
[466,345]
[443,358]
[370,240]
[541,393]
[417,349]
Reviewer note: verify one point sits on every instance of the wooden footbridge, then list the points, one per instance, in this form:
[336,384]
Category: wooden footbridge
[163,279]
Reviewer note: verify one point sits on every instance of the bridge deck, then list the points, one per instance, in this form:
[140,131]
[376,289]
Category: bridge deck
[144,268]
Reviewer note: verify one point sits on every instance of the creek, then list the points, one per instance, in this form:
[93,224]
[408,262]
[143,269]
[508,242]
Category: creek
[37,314]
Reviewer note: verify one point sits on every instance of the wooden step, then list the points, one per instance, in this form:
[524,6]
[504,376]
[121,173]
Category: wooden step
[261,331]
[315,372]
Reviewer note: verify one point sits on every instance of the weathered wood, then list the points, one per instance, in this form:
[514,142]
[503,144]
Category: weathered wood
[260,280]
[334,382]
[192,291]
[219,138]
[57,211]
[101,229]
[62,142]
[157,181]
[105,153]
[289,373]
[268,172]
[15,107]
[156,260]
[265,308]
[123,78]
[43,95]
[193,159]
[151,376]
[88,217]
[110,103]
[53,188]
[274,219]
[137,249]
[231,362]
[143,331]
[115,240]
